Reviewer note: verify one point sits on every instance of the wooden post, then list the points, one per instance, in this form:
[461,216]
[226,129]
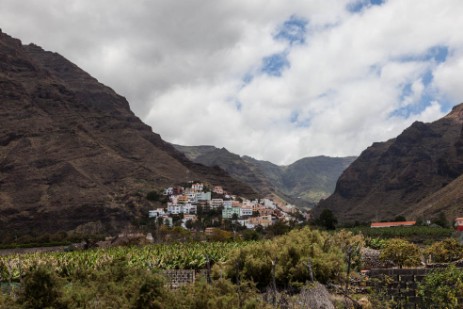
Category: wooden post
[274,284]
[349,256]
[309,266]
[208,269]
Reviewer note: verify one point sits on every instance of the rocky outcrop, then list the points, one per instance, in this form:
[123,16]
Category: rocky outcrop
[396,177]
[69,145]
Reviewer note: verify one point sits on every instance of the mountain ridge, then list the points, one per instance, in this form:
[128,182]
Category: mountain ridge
[398,176]
[72,152]
[303,182]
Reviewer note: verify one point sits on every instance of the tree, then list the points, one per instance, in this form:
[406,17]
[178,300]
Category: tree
[41,289]
[189,224]
[444,251]
[401,253]
[177,219]
[153,196]
[442,288]
[251,235]
[441,220]
[278,228]
[288,256]
[327,220]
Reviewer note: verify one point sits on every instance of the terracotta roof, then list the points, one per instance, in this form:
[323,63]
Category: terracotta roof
[391,224]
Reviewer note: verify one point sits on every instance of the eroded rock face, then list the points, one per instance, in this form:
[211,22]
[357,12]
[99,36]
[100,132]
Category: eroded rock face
[393,177]
[70,145]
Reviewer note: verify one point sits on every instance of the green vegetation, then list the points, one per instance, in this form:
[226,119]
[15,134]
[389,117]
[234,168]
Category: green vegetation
[40,289]
[327,220]
[244,274]
[441,220]
[171,256]
[153,196]
[401,253]
[443,288]
[444,251]
[119,285]
[375,243]
[292,259]
[126,277]
[417,234]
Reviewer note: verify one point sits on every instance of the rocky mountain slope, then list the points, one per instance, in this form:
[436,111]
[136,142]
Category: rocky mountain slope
[304,182]
[72,152]
[419,173]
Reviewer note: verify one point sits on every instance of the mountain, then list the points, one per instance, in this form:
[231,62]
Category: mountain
[72,152]
[417,174]
[303,183]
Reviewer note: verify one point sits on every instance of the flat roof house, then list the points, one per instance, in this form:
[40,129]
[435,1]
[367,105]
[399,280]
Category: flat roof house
[392,224]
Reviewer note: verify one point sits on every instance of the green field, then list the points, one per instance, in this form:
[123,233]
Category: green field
[161,256]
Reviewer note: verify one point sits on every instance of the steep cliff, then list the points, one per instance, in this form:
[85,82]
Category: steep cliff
[398,176]
[70,148]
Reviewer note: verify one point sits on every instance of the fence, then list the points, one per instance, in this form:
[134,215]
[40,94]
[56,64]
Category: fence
[398,285]
[179,277]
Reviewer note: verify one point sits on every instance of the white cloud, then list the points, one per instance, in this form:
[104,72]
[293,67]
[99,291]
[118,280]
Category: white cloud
[181,65]
[449,76]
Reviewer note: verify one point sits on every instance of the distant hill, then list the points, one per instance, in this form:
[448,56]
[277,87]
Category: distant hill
[73,154]
[304,182]
[417,174]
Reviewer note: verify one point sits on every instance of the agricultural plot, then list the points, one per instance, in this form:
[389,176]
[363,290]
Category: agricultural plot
[163,256]
[415,233]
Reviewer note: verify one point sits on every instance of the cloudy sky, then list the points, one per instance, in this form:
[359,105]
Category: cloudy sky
[274,79]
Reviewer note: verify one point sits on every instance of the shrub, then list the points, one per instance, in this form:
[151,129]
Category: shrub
[327,220]
[445,251]
[40,289]
[151,293]
[153,196]
[221,294]
[442,288]
[401,253]
[375,243]
[117,284]
[292,253]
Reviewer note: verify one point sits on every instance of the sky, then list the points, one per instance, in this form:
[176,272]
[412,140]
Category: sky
[277,80]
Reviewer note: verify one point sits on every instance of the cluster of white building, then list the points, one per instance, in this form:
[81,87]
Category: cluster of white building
[249,213]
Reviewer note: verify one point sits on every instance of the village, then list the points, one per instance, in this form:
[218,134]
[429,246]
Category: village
[188,202]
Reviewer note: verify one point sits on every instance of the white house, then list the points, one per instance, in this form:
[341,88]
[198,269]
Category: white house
[169,191]
[156,213]
[197,187]
[176,209]
[268,203]
[245,211]
[228,212]
[202,196]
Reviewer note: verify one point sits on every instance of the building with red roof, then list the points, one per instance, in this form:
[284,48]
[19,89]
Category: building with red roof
[392,224]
